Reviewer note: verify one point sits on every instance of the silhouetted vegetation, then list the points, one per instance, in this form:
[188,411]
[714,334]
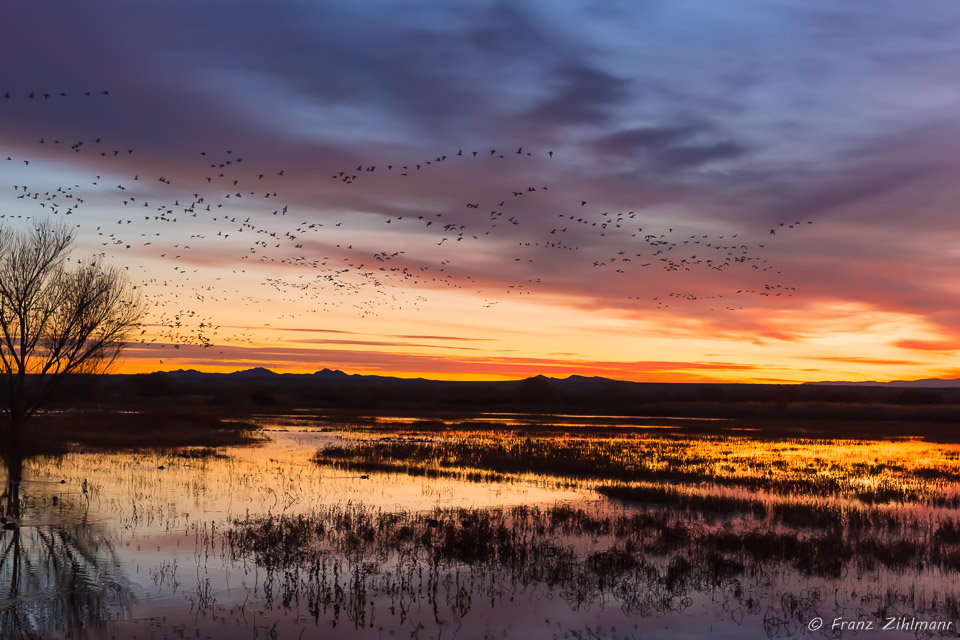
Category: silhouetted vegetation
[758,531]
[99,431]
[871,472]
[338,561]
[57,320]
[790,406]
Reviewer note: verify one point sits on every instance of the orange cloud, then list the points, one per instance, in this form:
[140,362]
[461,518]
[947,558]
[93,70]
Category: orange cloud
[925,345]
[150,357]
[863,360]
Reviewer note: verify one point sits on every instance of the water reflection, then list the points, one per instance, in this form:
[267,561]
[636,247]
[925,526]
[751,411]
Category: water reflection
[56,579]
[451,567]
[264,542]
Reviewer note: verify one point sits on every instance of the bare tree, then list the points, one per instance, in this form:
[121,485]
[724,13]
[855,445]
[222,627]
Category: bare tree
[56,319]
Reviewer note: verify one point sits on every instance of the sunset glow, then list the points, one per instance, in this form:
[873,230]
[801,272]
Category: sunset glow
[675,192]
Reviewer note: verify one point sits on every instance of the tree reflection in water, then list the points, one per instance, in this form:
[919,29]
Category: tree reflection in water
[56,579]
[350,560]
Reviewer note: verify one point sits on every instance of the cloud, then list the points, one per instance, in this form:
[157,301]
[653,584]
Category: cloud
[581,95]
[686,156]
[381,343]
[298,329]
[845,116]
[631,142]
[866,360]
[669,147]
[360,333]
[418,337]
[370,361]
[924,345]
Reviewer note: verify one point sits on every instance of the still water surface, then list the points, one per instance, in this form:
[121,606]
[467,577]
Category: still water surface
[264,543]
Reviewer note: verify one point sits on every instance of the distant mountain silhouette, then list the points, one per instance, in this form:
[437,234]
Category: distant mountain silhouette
[931,399]
[193,374]
[926,383]
[256,372]
[330,374]
[570,382]
[262,373]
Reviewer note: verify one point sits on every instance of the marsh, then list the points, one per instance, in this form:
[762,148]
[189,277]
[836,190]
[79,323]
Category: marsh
[480,527]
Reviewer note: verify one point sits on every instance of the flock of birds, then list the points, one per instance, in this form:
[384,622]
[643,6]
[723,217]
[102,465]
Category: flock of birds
[43,95]
[218,208]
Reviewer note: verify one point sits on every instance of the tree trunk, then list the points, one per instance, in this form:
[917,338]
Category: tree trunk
[14,464]
[12,452]
[13,508]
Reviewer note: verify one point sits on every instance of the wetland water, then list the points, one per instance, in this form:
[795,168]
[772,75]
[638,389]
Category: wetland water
[425,530]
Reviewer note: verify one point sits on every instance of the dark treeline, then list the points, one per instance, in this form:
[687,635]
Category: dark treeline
[260,389]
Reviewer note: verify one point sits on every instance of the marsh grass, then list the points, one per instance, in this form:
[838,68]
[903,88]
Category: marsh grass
[768,532]
[685,517]
[657,495]
[198,453]
[344,558]
[108,431]
[871,472]
[790,511]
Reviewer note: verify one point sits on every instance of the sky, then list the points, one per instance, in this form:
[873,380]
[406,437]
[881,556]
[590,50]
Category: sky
[748,191]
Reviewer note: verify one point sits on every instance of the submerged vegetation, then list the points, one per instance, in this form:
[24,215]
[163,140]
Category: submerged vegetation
[199,453]
[737,519]
[348,560]
[111,431]
[872,472]
[430,528]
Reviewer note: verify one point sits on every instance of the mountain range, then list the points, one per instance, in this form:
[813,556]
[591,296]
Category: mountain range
[261,374]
